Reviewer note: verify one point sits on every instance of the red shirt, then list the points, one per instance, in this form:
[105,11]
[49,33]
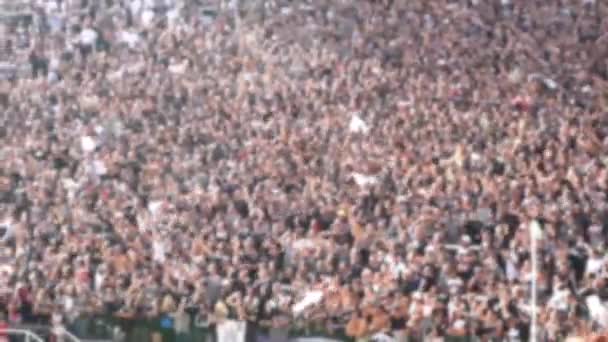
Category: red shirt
[83,276]
[3,327]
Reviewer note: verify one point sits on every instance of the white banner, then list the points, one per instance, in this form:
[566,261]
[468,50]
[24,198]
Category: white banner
[231,331]
[311,298]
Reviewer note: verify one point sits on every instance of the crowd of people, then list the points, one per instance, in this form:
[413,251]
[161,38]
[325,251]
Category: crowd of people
[366,166]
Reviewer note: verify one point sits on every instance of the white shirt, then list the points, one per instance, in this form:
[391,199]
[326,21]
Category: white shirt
[147,18]
[173,16]
[598,310]
[154,207]
[54,63]
[8,225]
[68,303]
[88,144]
[51,6]
[380,337]
[88,36]
[397,268]
[594,265]
[99,280]
[159,251]
[559,300]
[129,38]
[512,272]
[99,167]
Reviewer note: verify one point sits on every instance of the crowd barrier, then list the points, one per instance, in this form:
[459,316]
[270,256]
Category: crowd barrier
[104,329]
[159,330]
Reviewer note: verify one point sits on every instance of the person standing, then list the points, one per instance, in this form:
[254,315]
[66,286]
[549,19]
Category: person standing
[182,322]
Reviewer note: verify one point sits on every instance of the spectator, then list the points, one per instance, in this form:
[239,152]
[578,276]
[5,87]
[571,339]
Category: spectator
[371,168]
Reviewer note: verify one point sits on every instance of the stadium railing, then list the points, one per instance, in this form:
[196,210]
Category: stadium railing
[25,335]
